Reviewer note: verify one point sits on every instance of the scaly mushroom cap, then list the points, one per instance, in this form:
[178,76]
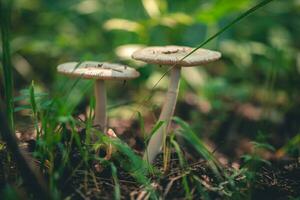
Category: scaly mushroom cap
[98,70]
[172,55]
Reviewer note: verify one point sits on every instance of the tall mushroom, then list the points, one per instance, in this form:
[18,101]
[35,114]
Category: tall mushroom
[101,72]
[170,56]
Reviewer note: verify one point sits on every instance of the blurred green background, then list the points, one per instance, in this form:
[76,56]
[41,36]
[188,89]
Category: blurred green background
[252,93]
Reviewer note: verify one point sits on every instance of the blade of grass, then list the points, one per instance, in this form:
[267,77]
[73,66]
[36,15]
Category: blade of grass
[174,143]
[225,28]
[147,138]
[198,145]
[136,167]
[133,164]
[166,153]
[116,181]
[5,11]
[56,96]
[34,109]
[154,130]
[236,20]
[183,164]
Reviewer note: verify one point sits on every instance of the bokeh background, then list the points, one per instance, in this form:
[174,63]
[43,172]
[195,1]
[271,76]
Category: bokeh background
[252,93]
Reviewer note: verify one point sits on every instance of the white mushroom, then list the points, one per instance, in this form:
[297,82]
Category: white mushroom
[99,71]
[171,56]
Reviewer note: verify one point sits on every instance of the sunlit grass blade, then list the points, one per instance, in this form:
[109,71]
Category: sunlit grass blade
[73,86]
[137,167]
[225,28]
[34,108]
[174,143]
[166,154]
[236,20]
[132,163]
[187,133]
[62,88]
[5,14]
[154,130]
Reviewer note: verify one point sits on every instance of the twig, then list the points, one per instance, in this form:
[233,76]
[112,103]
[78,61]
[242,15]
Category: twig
[170,184]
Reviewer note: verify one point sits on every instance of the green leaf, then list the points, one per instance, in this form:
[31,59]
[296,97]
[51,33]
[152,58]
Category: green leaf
[154,130]
[116,181]
[266,146]
[32,98]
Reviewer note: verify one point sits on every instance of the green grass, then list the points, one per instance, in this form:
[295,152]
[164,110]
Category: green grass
[188,134]
[183,165]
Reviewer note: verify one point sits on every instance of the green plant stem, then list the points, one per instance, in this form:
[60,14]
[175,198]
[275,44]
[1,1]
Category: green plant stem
[5,10]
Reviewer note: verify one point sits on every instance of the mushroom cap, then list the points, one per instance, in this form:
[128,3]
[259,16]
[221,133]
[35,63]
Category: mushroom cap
[98,70]
[172,55]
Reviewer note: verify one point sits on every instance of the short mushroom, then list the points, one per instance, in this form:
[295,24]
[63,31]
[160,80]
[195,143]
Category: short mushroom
[170,56]
[99,71]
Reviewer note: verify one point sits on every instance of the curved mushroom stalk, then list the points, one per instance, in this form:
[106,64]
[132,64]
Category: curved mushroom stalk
[157,140]
[100,107]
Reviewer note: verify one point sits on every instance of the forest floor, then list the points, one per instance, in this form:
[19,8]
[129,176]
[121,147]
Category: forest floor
[280,180]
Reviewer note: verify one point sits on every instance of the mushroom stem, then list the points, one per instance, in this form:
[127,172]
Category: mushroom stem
[156,141]
[100,108]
